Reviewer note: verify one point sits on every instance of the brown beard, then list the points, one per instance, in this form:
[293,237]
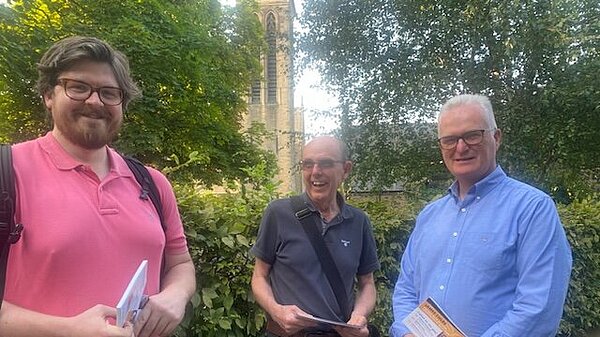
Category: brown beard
[90,134]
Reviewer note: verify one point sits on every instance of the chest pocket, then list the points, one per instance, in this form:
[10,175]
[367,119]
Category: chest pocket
[485,252]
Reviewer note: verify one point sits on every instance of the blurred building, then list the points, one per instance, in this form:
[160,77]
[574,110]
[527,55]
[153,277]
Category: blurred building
[271,97]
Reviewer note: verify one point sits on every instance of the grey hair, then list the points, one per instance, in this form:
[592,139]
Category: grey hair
[67,52]
[482,101]
[343,148]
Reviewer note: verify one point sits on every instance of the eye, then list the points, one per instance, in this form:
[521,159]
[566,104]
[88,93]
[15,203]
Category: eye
[326,163]
[111,93]
[78,87]
[472,136]
[307,164]
[449,140]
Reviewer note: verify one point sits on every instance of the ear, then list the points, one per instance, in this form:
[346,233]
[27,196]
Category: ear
[498,137]
[347,168]
[48,99]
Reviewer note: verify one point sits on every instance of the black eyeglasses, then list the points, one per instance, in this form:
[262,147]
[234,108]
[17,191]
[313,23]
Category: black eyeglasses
[473,137]
[81,91]
[323,164]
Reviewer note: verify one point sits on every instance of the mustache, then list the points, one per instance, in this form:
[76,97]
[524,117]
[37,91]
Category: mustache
[95,113]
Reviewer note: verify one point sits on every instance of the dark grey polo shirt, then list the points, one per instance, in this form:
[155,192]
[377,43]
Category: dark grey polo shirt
[296,275]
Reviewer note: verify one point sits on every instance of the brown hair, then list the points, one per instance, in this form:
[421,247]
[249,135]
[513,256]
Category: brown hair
[67,52]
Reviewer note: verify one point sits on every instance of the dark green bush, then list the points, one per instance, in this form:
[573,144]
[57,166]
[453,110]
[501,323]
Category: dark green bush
[582,224]
[392,219]
[220,229]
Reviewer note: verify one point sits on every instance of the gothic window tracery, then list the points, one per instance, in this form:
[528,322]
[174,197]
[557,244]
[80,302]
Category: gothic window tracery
[271,75]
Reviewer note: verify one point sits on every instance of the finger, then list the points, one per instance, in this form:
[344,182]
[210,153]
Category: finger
[125,331]
[141,321]
[151,325]
[168,329]
[129,329]
[156,325]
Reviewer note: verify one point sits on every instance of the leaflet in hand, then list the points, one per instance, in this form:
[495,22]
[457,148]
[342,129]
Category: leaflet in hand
[326,321]
[429,320]
[133,296]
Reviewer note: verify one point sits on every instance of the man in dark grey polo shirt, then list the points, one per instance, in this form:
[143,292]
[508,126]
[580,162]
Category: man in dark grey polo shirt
[288,280]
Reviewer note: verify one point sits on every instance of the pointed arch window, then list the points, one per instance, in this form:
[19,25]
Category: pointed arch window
[271,59]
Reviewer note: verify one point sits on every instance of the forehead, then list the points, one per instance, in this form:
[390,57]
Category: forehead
[92,72]
[461,118]
[322,148]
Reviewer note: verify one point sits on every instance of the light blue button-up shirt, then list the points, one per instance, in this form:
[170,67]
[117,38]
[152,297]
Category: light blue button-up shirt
[497,262]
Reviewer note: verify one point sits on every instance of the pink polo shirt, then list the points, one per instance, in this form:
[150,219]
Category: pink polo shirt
[83,238]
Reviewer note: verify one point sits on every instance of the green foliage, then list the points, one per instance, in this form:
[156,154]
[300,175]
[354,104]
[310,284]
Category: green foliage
[400,147]
[392,63]
[582,223]
[393,220]
[220,229]
[192,59]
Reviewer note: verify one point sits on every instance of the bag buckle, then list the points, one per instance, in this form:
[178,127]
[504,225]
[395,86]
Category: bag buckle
[15,235]
[303,213]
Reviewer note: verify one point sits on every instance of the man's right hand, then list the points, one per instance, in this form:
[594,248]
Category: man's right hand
[289,318]
[98,321]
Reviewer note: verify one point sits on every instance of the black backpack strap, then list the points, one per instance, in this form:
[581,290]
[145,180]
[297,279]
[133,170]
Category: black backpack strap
[149,190]
[310,224]
[9,231]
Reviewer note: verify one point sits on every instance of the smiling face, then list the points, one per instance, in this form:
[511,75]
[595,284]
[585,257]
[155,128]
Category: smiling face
[89,124]
[322,182]
[468,163]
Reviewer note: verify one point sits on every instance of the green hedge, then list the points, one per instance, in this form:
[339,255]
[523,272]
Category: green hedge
[582,308]
[221,228]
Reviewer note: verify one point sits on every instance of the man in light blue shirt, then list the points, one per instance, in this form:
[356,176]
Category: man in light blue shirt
[492,252]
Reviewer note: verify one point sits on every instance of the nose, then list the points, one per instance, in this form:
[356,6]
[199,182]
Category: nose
[94,98]
[461,145]
[316,169]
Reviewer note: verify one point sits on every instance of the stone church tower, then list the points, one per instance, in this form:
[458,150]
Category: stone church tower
[271,98]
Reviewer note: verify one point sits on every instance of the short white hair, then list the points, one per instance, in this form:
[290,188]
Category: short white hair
[482,101]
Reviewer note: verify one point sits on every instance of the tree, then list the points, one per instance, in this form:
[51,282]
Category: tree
[192,59]
[393,62]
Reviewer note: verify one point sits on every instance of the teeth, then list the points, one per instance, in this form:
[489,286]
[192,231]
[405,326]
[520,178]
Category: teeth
[315,183]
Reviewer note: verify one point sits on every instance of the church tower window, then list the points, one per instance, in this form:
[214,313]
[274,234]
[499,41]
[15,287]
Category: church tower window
[271,59]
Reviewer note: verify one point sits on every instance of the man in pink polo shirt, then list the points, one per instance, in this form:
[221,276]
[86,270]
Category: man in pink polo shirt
[86,228]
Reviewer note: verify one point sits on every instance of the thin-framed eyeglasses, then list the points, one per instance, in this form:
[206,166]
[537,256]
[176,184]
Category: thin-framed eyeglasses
[323,163]
[81,91]
[473,137]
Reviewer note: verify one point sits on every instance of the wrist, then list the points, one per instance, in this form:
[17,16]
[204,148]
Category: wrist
[358,318]
[273,309]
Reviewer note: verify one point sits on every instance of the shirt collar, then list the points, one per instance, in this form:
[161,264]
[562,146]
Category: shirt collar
[482,187]
[64,161]
[345,211]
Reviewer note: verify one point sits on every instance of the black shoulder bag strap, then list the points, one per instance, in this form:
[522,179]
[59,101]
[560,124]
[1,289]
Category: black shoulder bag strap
[9,231]
[149,190]
[310,224]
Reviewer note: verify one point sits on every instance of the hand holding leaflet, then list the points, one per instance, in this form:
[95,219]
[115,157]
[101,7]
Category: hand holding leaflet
[133,298]
[326,321]
[430,320]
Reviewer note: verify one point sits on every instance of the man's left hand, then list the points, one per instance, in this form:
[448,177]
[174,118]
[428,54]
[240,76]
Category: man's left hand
[159,317]
[354,332]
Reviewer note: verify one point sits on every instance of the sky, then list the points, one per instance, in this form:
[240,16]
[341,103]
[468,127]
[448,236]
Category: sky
[311,96]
